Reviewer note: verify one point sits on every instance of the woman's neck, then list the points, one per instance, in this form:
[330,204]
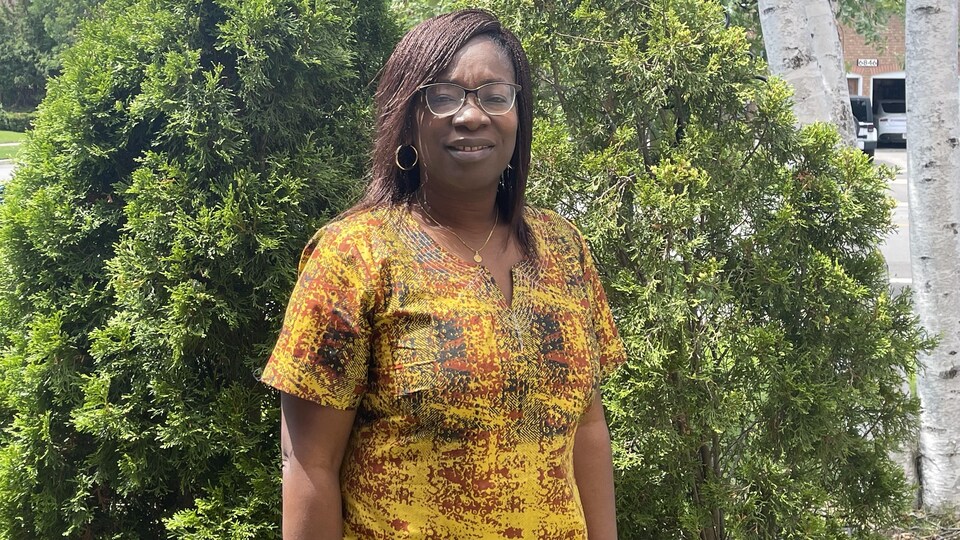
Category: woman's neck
[475,213]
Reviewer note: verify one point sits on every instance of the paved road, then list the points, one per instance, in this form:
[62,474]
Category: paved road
[897,247]
[6,170]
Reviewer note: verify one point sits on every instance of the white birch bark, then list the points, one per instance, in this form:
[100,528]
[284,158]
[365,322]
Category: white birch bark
[828,50]
[790,54]
[933,157]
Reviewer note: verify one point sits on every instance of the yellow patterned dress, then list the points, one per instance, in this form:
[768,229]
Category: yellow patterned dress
[466,406]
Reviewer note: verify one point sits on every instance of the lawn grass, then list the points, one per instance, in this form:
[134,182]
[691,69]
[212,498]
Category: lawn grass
[8,152]
[12,136]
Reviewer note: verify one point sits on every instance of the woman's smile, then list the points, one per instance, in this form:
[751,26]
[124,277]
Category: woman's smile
[471,150]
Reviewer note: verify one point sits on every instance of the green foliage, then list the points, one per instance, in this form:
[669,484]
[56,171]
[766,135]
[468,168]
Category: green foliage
[33,34]
[148,245]
[765,388]
[16,121]
[412,12]
[871,19]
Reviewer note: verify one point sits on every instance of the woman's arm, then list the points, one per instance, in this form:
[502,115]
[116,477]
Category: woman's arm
[593,470]
[313,439]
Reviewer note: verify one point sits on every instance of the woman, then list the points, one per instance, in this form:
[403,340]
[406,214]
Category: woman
[441,355]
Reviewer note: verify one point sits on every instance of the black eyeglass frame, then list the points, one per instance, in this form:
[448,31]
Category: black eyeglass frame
[466,92]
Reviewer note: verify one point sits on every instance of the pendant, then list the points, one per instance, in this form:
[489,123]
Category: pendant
[477,257]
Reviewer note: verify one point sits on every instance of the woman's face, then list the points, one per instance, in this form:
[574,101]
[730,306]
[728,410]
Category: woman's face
[468,149]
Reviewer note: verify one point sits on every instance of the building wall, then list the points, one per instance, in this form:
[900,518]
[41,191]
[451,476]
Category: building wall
[889,56]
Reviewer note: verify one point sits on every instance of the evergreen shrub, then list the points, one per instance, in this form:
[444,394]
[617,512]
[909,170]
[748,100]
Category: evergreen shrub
[33,34]
[16,121]
[765,388]
[148,244]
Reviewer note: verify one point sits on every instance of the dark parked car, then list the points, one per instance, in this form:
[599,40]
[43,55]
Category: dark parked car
[866,129]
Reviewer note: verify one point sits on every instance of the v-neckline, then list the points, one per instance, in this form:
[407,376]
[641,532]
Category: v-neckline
[414,228]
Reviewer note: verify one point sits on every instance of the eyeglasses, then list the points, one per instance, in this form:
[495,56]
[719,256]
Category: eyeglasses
[444,99]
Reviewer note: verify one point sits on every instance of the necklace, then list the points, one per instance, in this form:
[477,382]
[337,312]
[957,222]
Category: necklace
[476,252]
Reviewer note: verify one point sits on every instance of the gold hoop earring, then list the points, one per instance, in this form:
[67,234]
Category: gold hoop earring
[403,147]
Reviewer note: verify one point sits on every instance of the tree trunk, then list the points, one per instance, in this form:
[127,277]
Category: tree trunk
[803,46]
[907,458]
[933,125]
[827,49]
[790,54]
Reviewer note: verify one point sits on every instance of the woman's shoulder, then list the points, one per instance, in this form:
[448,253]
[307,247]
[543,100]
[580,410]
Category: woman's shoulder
[357,222]
[355,226]
[349,234]
[551,225]
[556,236]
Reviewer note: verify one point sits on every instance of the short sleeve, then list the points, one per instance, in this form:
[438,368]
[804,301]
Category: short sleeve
[611,350]
[323,349]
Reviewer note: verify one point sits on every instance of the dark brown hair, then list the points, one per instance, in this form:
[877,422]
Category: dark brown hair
[420,56]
